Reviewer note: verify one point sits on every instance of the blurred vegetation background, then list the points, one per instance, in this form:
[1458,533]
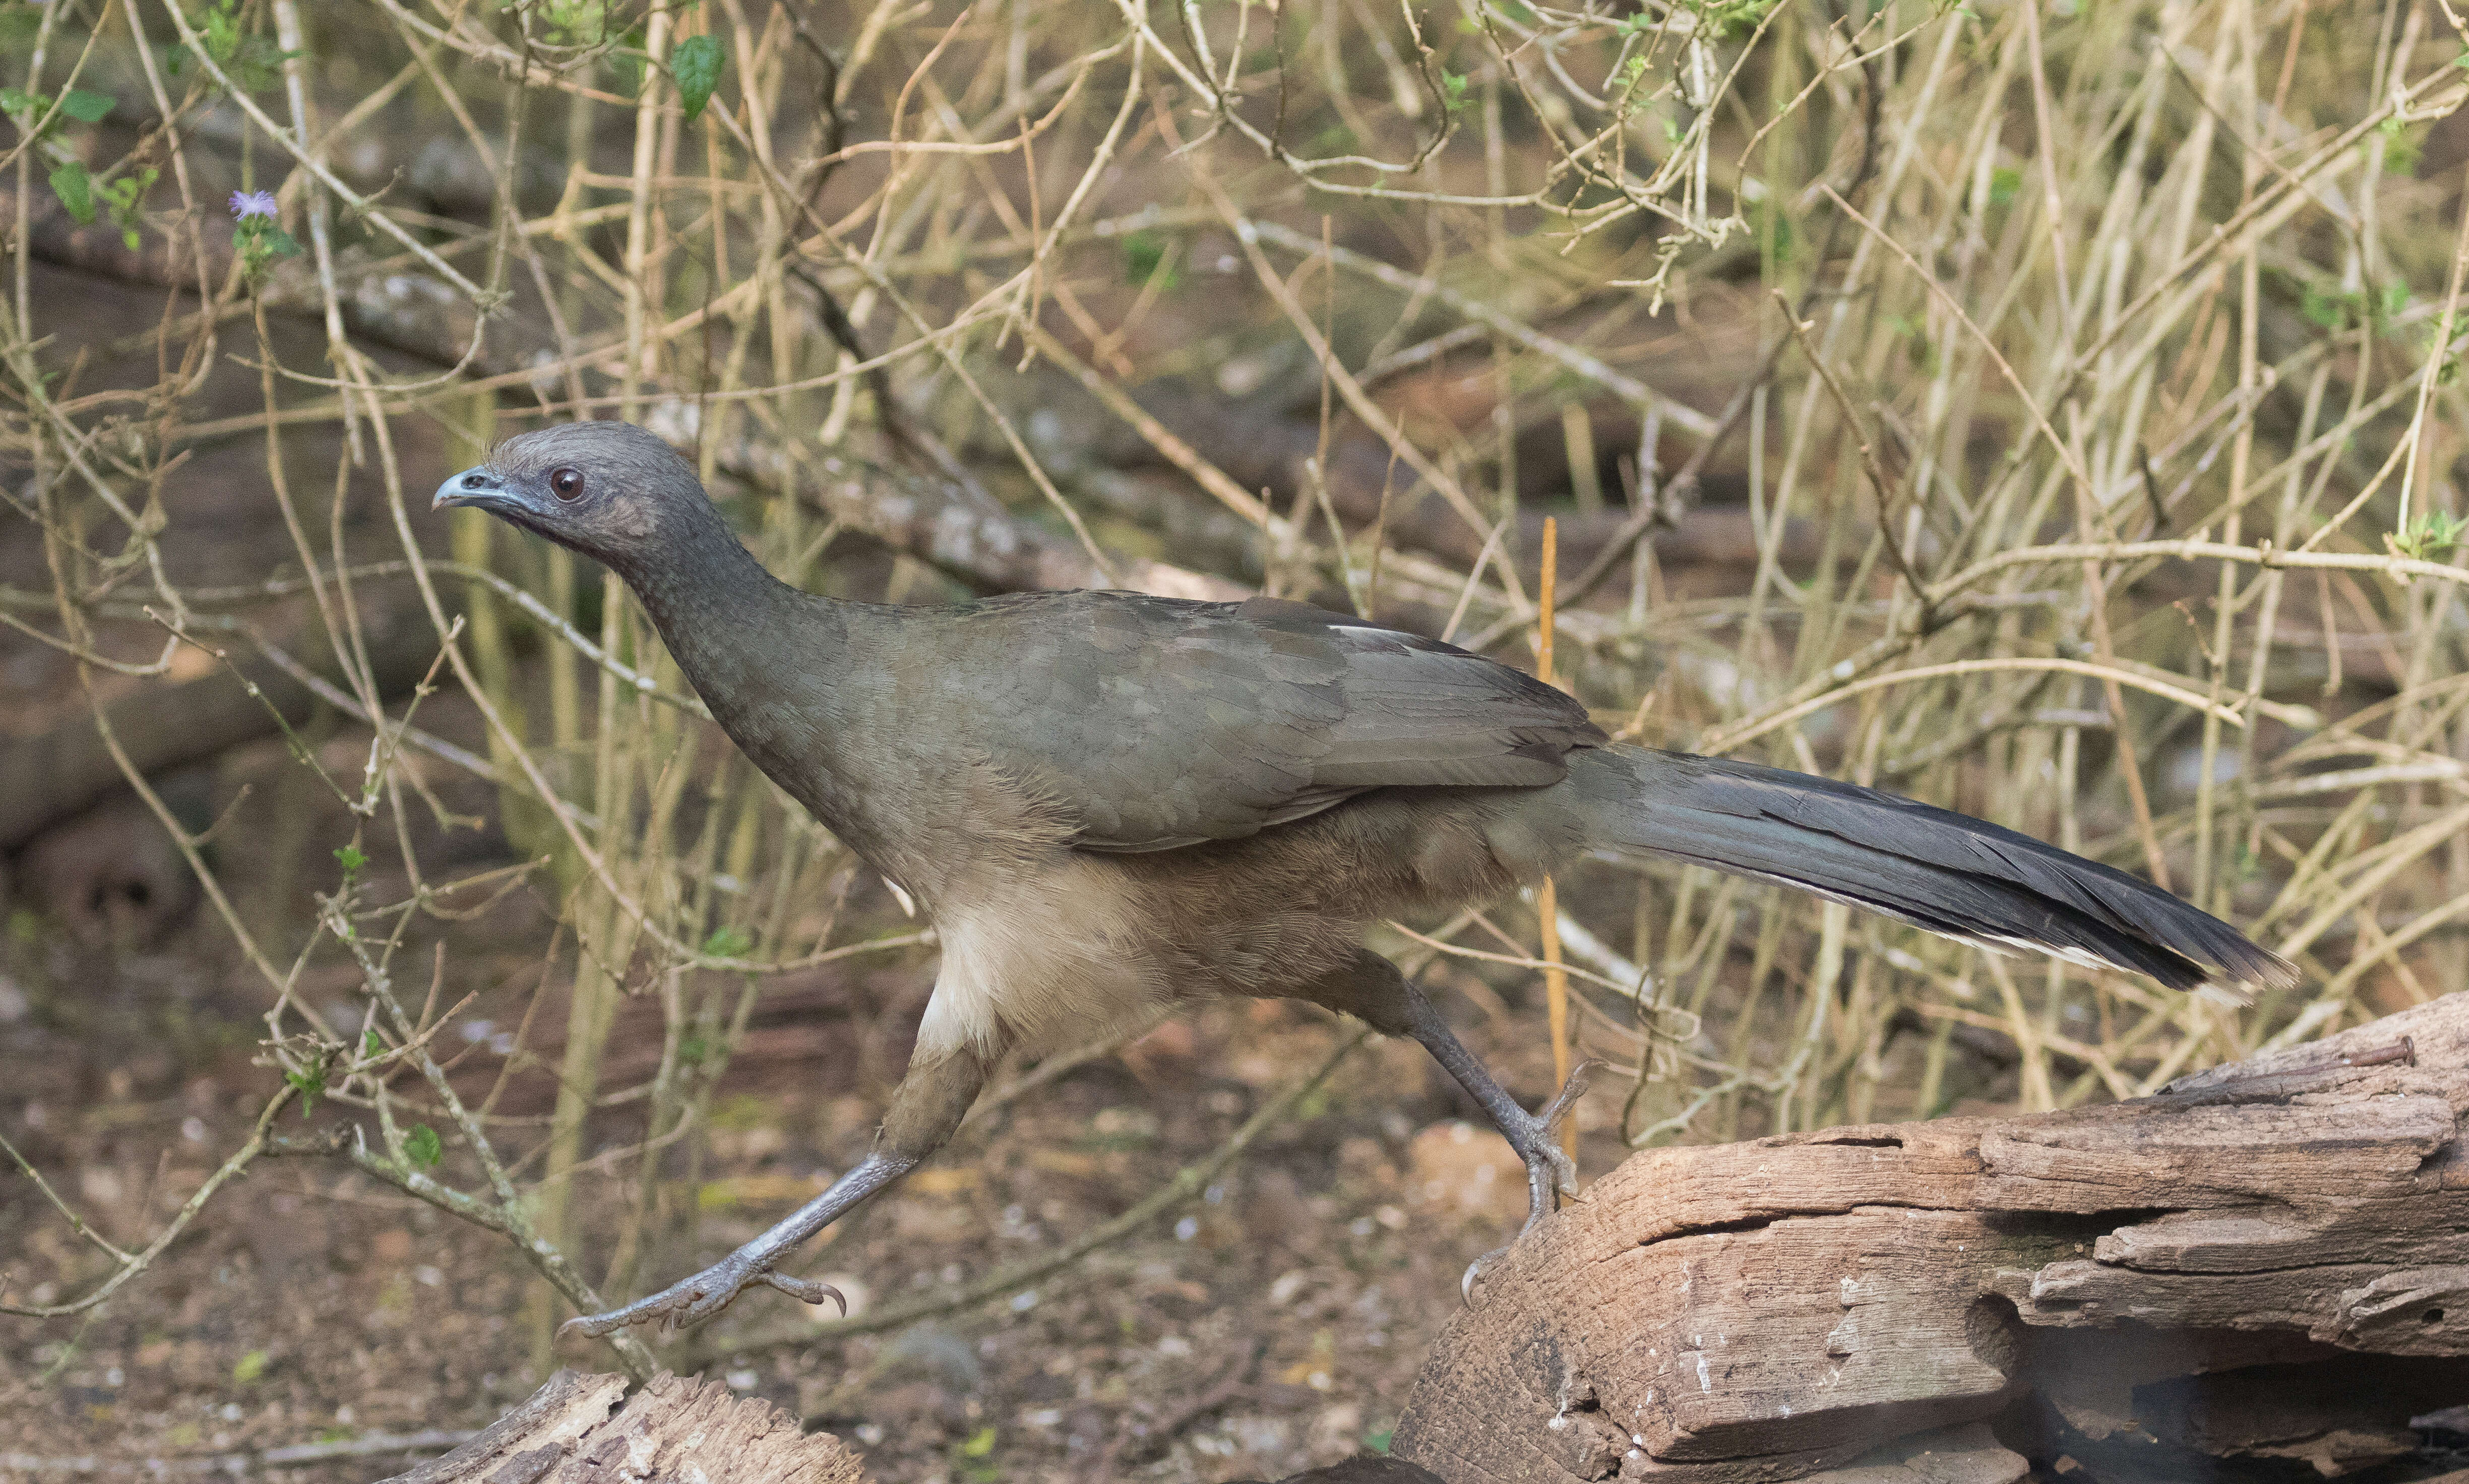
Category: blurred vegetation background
[2044,411]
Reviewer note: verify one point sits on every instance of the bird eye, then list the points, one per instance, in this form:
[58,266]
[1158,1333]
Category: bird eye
[566,483]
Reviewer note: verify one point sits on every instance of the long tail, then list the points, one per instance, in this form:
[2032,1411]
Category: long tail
[1933,868]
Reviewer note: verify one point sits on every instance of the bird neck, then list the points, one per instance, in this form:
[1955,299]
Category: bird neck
[725,620]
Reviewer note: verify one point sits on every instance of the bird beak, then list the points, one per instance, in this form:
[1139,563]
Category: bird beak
[478,486]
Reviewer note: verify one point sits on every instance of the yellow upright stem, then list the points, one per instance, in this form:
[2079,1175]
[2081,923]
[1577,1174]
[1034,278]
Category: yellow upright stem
[1547,903]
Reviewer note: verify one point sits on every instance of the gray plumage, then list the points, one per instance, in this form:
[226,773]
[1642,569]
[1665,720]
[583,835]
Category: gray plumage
[1108,802]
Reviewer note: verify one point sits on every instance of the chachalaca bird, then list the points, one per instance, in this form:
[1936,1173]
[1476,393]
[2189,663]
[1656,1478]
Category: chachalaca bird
[1108,802]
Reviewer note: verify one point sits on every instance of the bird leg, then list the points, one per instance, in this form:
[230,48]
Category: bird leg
[1549,1170]
[1374,990]
[925,1109]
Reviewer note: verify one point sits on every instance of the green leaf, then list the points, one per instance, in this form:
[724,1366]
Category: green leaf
[87,107]
[980,1445]
[309,1084]
[1143,251]
[2327,309]
[372,1044]
[626,60]
[75,189]
[696,66]
[249,1367]
[2005,183]
[728,941]
[16,100]
[222,34]
[350,855]
[422,1147]
[2432,538]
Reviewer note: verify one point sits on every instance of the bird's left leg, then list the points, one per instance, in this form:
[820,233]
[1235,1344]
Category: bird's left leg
[927,1107]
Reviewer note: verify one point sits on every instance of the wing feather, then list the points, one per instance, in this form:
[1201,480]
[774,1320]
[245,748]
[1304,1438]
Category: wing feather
[1160,723]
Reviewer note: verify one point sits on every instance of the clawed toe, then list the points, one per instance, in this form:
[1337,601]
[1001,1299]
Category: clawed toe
[1474,1273]
[1550,1172]
[810,1290]
[693,1300]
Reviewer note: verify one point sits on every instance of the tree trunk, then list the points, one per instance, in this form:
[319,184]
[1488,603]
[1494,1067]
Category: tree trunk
[2268,1262]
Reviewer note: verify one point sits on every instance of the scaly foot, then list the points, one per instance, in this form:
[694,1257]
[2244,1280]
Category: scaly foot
[1550,1172]
[693,1300]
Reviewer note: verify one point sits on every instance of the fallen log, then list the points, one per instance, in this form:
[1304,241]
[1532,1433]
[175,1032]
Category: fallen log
[681,1429]
[2268,1263]
[60,772]
[567,1433]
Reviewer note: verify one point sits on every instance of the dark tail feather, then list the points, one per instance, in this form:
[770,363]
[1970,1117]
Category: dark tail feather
[1933,868]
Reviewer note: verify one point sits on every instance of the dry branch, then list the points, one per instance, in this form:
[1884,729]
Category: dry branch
[2131,1280]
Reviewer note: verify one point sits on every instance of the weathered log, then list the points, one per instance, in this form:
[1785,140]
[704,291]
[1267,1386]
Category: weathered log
[676,1430]
[670,1430]
[57,775]
[2267,1260]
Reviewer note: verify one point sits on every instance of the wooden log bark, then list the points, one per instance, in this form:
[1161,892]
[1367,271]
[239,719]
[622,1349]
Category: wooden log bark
[60,773]
[676,1431]
[2267,1260]
[671,1431]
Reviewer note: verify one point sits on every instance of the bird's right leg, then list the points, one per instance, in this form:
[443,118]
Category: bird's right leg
[1374,990]
[926,1107]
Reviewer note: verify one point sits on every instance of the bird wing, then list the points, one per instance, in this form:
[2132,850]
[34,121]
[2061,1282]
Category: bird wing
[1157,723]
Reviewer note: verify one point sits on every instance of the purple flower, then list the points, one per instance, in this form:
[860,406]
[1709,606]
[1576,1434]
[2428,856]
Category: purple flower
[246,204]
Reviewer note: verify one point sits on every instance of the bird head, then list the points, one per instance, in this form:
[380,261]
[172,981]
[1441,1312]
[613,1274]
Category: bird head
[609,490]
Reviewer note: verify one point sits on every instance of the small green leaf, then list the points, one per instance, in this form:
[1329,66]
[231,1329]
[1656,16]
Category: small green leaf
[87,107]
[309,1084]
[1143,251]
[2325,308]
[350,855]
[2432,538]
[17,100]
[422,1147]
[372,1044]
[75,189]
[626,60]
[728,941]
[980,1445]
[249,1367]
[2005,183]
[696,66]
